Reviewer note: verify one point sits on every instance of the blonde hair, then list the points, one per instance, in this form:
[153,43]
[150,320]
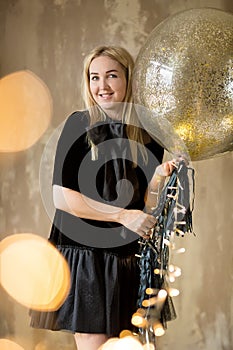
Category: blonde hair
[126,61]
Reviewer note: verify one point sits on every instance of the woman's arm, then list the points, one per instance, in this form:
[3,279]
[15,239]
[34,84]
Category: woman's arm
[77,204]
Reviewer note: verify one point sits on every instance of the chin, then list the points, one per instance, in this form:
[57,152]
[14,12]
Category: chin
[108,105]
[112,109]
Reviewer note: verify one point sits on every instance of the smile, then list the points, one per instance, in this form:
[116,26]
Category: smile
[106,95]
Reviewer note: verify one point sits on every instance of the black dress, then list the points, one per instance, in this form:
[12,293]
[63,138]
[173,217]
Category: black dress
[101,255]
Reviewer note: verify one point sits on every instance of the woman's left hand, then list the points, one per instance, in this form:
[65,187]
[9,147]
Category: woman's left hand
[166,168]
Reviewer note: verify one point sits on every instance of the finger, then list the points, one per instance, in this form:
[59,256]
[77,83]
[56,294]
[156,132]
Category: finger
[151,224]
[143,234]
[152,219]
[146,236]
[148,232]
[148,221]
[150,229]
[173,163]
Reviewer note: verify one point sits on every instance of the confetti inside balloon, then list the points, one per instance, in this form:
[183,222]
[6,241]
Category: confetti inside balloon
[184,75]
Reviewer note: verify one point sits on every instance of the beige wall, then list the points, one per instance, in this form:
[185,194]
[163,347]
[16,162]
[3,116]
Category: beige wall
[50,37]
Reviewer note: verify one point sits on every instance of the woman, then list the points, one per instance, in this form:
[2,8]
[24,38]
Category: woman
[104,178]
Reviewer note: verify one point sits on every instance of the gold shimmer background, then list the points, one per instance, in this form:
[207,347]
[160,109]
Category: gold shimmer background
[50,38]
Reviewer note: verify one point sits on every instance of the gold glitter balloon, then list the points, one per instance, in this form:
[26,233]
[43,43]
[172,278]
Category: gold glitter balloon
[184,75]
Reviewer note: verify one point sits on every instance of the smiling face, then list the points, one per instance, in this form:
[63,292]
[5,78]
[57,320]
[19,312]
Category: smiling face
[107,81]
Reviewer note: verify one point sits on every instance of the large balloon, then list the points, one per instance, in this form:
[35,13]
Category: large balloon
[184,76]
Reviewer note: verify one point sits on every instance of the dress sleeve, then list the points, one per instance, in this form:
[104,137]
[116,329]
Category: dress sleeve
[155,156]
[71,149]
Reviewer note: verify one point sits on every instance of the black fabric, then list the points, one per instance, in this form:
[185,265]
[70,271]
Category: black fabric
[102,297]
[100,179]
[104,271]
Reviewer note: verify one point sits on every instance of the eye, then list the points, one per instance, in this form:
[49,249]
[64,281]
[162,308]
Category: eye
[112,75]
[94,78]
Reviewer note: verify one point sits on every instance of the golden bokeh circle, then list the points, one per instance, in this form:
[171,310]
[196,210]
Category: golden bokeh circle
[33,272]
[25,110]
[6,344]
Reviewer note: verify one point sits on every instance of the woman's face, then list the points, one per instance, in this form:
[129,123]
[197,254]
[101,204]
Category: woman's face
[107,81]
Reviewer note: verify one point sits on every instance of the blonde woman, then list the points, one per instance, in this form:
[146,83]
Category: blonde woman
[105,175]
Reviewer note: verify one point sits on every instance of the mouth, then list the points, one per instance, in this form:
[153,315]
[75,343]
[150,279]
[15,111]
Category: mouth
[106,96]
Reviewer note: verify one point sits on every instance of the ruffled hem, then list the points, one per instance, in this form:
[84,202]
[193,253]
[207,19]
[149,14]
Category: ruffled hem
[102,297]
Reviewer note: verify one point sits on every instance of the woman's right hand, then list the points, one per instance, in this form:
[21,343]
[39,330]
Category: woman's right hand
[137,221]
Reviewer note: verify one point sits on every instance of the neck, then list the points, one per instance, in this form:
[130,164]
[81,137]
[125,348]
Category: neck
[114,116]
[114,112]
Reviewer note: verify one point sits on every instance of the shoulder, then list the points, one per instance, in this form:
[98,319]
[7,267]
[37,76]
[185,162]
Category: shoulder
[78,119]
[74,127]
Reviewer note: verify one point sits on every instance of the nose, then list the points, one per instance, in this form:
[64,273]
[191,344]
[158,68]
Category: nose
[103,84]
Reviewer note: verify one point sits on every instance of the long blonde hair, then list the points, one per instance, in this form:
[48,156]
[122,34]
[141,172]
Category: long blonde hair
[129,116]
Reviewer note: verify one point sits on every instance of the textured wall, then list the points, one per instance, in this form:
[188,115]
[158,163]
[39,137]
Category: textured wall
[50,38]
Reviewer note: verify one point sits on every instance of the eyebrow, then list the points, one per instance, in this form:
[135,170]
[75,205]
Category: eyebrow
[109,71]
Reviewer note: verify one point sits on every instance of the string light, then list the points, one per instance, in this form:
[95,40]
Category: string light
[138,320]
[180,251]
[158,329]
[173,292]
[159,248]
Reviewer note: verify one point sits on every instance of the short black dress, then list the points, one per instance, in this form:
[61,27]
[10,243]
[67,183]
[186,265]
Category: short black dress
[101,255]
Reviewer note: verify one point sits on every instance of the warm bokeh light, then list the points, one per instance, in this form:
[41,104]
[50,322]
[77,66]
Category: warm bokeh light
[148,346]
[171,279]
[174,271]
[171,268]
[158,329]
[128,343]
[109,345]
[177,272]
[138,320]
[173,292]
[162,294]
[125,333]
[141,311]
[6,344]
[33,272]
[25,110]
[149,302]
[149,291]
[125,343]
[156,300]
[180,251]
